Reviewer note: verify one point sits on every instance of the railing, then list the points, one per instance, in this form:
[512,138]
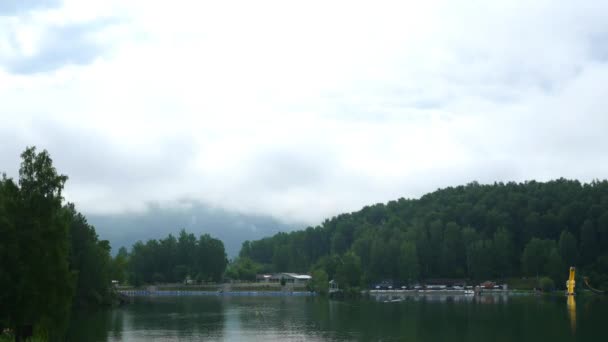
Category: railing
[142,293]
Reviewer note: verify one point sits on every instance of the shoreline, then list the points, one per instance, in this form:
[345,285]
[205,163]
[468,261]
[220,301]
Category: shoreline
[162,293]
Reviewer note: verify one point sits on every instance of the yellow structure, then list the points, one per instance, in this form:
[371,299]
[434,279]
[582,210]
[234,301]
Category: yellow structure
[571,282]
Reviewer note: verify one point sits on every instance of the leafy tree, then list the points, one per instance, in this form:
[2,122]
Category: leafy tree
[589,246]
[90,261]
[35,242]
[502,249]
[567,248]
[479,255]
[555,267]
[546,284]
[119,266]
[243,268]
[319,282]
[348,272]
[409,262]
[536,256]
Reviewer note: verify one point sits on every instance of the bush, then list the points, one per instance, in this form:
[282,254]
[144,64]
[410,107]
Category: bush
[546,284]
[319,282]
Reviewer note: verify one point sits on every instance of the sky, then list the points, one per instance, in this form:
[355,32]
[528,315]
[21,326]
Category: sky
[301,110]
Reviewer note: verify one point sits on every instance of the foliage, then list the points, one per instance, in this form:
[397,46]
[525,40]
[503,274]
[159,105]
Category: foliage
[50,258]
[546,284]
[243,269]
[90,259]
[348,272]
[173,260]
[37,283]
[473,231]
[319,282]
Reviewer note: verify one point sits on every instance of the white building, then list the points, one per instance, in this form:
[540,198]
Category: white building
[291,278]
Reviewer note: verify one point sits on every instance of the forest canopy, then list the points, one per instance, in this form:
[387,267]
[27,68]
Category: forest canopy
[473,231]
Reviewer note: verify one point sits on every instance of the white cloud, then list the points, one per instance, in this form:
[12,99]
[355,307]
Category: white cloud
[304,110]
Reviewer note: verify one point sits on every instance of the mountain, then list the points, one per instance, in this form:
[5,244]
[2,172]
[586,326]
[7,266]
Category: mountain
[123,230]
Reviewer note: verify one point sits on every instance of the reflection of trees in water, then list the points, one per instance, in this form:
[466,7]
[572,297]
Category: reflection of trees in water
[89,325]
[181,316]
[493,318]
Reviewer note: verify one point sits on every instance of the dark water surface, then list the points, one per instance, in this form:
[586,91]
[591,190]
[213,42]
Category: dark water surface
[214,318]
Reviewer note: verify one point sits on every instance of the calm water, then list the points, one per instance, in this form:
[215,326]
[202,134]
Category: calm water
[315,319]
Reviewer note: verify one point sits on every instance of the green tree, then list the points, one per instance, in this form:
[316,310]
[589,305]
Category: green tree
[43,284]
[348,272]
[589,245]
[502,249]
[243,268]
[408,261]
[480,259]
[567,248]
[555,266]
[319,282]
[90,260]
[546,284]
[119,267]
[10,266]
[536,256]
[453,253]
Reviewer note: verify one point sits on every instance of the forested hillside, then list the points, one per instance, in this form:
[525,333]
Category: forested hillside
[473,231]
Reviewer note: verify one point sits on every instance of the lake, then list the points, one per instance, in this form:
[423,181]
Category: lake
[432,318]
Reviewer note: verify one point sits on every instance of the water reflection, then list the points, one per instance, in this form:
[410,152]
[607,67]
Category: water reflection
[413,318]
[571,304]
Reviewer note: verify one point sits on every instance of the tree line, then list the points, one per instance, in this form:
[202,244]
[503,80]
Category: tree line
[475,231]
[52,260]
[172,259]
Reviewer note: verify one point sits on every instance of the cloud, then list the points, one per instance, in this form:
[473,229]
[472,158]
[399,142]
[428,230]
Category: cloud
[43,36]
[58,47]
[15,7]
[303,111]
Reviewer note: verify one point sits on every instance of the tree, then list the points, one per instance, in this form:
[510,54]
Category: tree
[90,261]
[119,266]
[546,284]
[348,272]
[555,266]
[479,255]
[567,248]
[453,252]
[243,268]
[319,282]
[10,265]
[536,256]
[43,284]
[408,261]
[588,242]
[211,257]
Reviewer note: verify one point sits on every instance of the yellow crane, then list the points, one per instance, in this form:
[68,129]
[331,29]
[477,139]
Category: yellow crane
[570,283]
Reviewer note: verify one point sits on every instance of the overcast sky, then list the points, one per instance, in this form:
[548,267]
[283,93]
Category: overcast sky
[301,109]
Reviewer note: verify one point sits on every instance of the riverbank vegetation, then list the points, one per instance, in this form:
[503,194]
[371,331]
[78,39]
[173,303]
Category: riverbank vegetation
[476,232]
[52,260]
